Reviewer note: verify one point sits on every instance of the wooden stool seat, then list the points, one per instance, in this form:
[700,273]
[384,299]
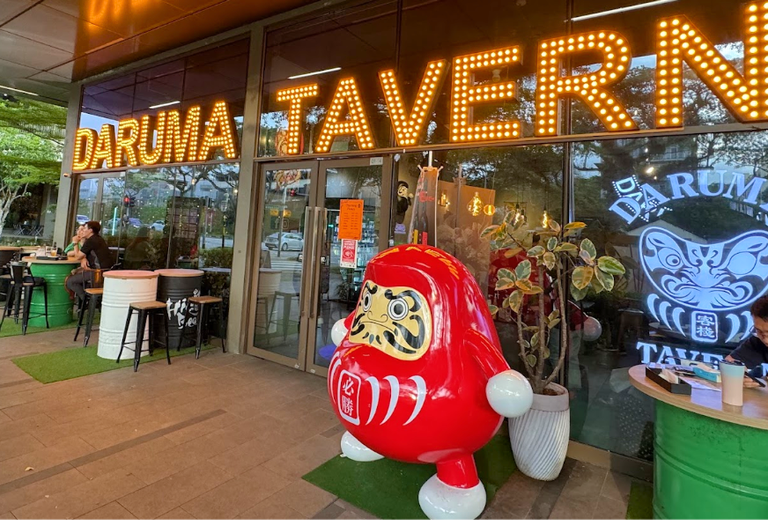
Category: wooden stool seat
[205,299]
[95,291]
[148,306]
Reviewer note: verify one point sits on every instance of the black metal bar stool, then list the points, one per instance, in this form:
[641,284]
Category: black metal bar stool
[23,285]
[203,305]
[92,301]
[153,310]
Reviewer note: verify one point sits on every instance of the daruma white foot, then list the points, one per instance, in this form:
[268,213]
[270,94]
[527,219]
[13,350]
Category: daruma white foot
[356,450]
[439,500]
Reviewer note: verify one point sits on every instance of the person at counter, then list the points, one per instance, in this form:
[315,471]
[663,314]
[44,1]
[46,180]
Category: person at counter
[70,249]
[753,352]
[94,254]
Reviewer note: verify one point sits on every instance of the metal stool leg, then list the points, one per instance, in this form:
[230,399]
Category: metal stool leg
[17,303]
[161,316]
[222,323]
[151,334]
[81,315]
[199,339]
[183,329]
[27,304]
[45,299]
[139,339]
[89,321]
[8,305]
[125,333]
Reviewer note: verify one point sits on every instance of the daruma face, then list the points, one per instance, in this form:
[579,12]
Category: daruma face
[395,320]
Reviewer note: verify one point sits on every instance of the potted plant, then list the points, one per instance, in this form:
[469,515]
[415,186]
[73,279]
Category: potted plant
[534,293]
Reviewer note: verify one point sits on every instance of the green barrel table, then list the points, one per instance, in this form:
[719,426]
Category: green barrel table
[711,459]
[59,303]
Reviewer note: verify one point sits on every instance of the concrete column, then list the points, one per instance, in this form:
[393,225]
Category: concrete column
[66,199]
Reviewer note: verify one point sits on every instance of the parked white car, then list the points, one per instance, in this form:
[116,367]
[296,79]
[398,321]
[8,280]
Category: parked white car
[288,241]
[157,225]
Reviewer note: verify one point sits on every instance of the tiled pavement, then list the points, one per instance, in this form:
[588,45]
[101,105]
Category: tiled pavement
[224,436]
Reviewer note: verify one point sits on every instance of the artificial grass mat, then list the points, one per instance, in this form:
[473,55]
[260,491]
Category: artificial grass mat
[78,361]
[390,489]
[640,503]
[11,328]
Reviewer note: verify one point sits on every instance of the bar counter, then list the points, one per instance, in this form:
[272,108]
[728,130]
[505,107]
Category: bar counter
[710,458]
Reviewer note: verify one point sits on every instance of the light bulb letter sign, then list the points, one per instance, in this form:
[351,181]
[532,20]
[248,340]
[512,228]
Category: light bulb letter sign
[148,154]
[591,88]
[181,142]
[105,146]
[295,119]
[745,96]
[219,133]
[126,144]
[465,93]
[408,128]
[356,125]
[85,141]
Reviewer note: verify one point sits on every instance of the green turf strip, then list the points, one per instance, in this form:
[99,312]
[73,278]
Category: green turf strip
[11,328]
[78,361]
[390,489]
[640,504]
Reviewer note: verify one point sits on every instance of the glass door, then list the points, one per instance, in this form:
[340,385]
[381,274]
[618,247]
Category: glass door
[340,264]
[100,198]
[285,226]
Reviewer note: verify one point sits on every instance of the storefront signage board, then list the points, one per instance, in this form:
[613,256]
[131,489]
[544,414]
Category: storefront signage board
[351,219]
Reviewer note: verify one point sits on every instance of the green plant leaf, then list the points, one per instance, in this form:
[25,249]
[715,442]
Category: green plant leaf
[515,300]
[589,247]
[513,251]
[552,324]
[547,353]
[596,286]
[523,270]
[582,276]
[506,273]
[531,360]
[494,310]
[552,244]
[589,260]
[536,252]
[531,329]
[606,280]
[489,231]
[554,226]
[567,247]
[610,265]
[504,284]
[524,285]
[553,315]
[549,260]
[578,294]
[535,340]
[525,345]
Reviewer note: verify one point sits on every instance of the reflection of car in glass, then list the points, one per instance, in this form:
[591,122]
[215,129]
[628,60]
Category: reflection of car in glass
[134,222]
[157,225]
[116,223]
[81,219]
[292,241]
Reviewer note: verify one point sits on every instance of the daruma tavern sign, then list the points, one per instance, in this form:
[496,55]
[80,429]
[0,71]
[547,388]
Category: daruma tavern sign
[679,42]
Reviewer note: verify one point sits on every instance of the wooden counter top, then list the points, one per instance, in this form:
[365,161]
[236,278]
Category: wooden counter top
[709,403]
[129,274]
[179,273]
[33,260]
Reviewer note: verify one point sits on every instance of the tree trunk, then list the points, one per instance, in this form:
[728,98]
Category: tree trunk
[7,196]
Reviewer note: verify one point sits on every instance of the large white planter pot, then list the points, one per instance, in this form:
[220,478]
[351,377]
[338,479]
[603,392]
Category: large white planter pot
[540,437]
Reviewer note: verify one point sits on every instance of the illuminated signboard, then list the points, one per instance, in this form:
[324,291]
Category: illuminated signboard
[700,290]
[165,138]
[679,41]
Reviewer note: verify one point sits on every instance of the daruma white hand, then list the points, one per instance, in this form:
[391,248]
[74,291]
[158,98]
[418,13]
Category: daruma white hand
[338,332]
[509,393]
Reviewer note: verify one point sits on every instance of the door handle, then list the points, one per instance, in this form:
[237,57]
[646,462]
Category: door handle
[321,223]
[309,250]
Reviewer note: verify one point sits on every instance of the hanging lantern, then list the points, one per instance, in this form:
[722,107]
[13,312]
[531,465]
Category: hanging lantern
[475,205]
[545,219]
[489,209]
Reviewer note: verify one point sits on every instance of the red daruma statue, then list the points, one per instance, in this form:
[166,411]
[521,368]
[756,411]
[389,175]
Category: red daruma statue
[418,375]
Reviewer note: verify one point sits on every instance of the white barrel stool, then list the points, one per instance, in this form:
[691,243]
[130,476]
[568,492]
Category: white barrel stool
[121,288]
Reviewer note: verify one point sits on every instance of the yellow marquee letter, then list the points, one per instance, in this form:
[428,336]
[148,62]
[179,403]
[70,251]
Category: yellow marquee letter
[85,139]
[356,125]
[181,144]
[127,135]
[746,97]
[591,88]
[147,136]
[466,93]
[294,96]
[408,128]
[105,148]
[224,138]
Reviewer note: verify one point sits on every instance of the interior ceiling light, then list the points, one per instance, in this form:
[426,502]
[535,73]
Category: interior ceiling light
[19,90]
[161,105]
[315,73]
[621,10]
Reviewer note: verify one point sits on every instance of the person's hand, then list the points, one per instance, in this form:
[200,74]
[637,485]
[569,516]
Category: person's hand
[76,239]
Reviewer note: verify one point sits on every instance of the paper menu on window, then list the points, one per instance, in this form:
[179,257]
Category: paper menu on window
[351,219]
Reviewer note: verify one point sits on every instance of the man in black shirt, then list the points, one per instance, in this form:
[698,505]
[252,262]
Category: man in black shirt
[753,352]
[93,254]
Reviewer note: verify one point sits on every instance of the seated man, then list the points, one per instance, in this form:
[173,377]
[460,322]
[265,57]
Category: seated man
[753,352]
[94,254]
